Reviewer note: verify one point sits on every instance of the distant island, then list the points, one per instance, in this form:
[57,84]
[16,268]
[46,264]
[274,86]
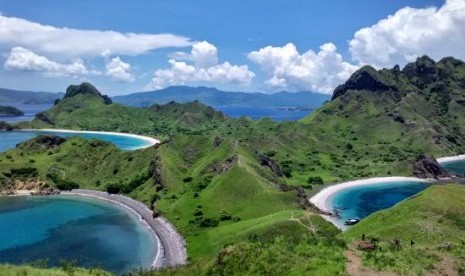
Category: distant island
[238,190]
[9,96]
[10,111]
[215,97]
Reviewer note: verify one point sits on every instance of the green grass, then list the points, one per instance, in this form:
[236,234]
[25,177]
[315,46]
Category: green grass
[431,219]
[210,165]
[287,243]
[12,270]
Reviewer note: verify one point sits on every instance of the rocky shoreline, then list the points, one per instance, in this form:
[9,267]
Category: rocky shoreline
[171,245]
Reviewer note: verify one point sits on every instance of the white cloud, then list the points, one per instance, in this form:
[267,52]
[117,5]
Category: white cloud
[119,70]
[23,59]
[288,69]
[68,42]
[200,66]
[409,33]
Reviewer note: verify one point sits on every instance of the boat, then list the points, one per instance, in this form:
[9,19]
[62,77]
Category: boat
[352,221]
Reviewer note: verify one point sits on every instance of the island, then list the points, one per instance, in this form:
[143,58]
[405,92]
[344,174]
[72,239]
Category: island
[10,111]
[237,190]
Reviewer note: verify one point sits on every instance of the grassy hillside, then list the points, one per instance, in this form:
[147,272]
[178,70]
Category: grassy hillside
[89,112]
[418,109]
[65,270]
[292,243]
[237,188]
[76,162]
[433,219]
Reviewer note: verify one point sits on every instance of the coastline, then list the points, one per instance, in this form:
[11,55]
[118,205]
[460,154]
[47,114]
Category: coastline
[322,199]
[150,141]
[448,159]
[171,246]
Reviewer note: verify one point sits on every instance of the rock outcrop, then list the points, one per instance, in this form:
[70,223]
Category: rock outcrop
[43,117]
[4,126]
[366,78]
[43,142]
[87,89]
[268,162]
[428,167]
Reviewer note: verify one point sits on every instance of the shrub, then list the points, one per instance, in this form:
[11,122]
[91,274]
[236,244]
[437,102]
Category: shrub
[225,215]
[315,180]
[187,179]
[113,188]
[208,222]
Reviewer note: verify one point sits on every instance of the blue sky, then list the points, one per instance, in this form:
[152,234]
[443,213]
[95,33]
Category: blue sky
[264,46]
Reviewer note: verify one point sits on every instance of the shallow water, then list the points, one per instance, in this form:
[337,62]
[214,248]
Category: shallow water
[276,114]
[30,110]
[359,202]
[89,231]
[8,140]
[455,167]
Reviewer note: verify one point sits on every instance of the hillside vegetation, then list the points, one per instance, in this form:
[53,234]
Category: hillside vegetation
[237,189]
[434,220]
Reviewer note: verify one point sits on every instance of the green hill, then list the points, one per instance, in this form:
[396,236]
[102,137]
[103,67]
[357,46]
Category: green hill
[83,107]
[433,219]
[418,108]
[10,111]
[237,189]
[65,270]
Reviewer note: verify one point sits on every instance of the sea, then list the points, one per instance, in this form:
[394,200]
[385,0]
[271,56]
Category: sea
[30,110]
[9,139]
[360,202]
[86,231]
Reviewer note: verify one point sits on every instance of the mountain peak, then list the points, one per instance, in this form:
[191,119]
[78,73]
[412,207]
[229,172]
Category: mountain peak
[365,78]
[85,88]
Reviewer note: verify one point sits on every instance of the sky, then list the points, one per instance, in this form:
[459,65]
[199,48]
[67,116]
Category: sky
[237,45]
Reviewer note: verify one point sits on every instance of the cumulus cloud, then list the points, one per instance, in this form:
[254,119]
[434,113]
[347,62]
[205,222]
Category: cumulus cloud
[119,70]
[288,69]
[200,66]
[24,59]
[69,42]
[411,32]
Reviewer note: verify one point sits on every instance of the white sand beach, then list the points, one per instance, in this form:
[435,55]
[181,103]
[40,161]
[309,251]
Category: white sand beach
[322,198]
[171,246]
[447,159]
[150,141]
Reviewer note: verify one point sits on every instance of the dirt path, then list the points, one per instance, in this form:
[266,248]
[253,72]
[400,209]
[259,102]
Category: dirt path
[354,266]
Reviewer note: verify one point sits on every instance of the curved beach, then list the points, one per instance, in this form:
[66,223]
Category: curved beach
[150,141]
[450,158]
[171,246]
[322,198]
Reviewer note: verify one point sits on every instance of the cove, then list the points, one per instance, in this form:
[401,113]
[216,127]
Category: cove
[8,140]
[89,231]
[455,167]
[359,201]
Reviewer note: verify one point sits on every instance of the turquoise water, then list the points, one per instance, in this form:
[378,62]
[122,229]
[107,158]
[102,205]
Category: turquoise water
[8,140]
[359,202]
[276,114]
[455,167]
[89,231]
